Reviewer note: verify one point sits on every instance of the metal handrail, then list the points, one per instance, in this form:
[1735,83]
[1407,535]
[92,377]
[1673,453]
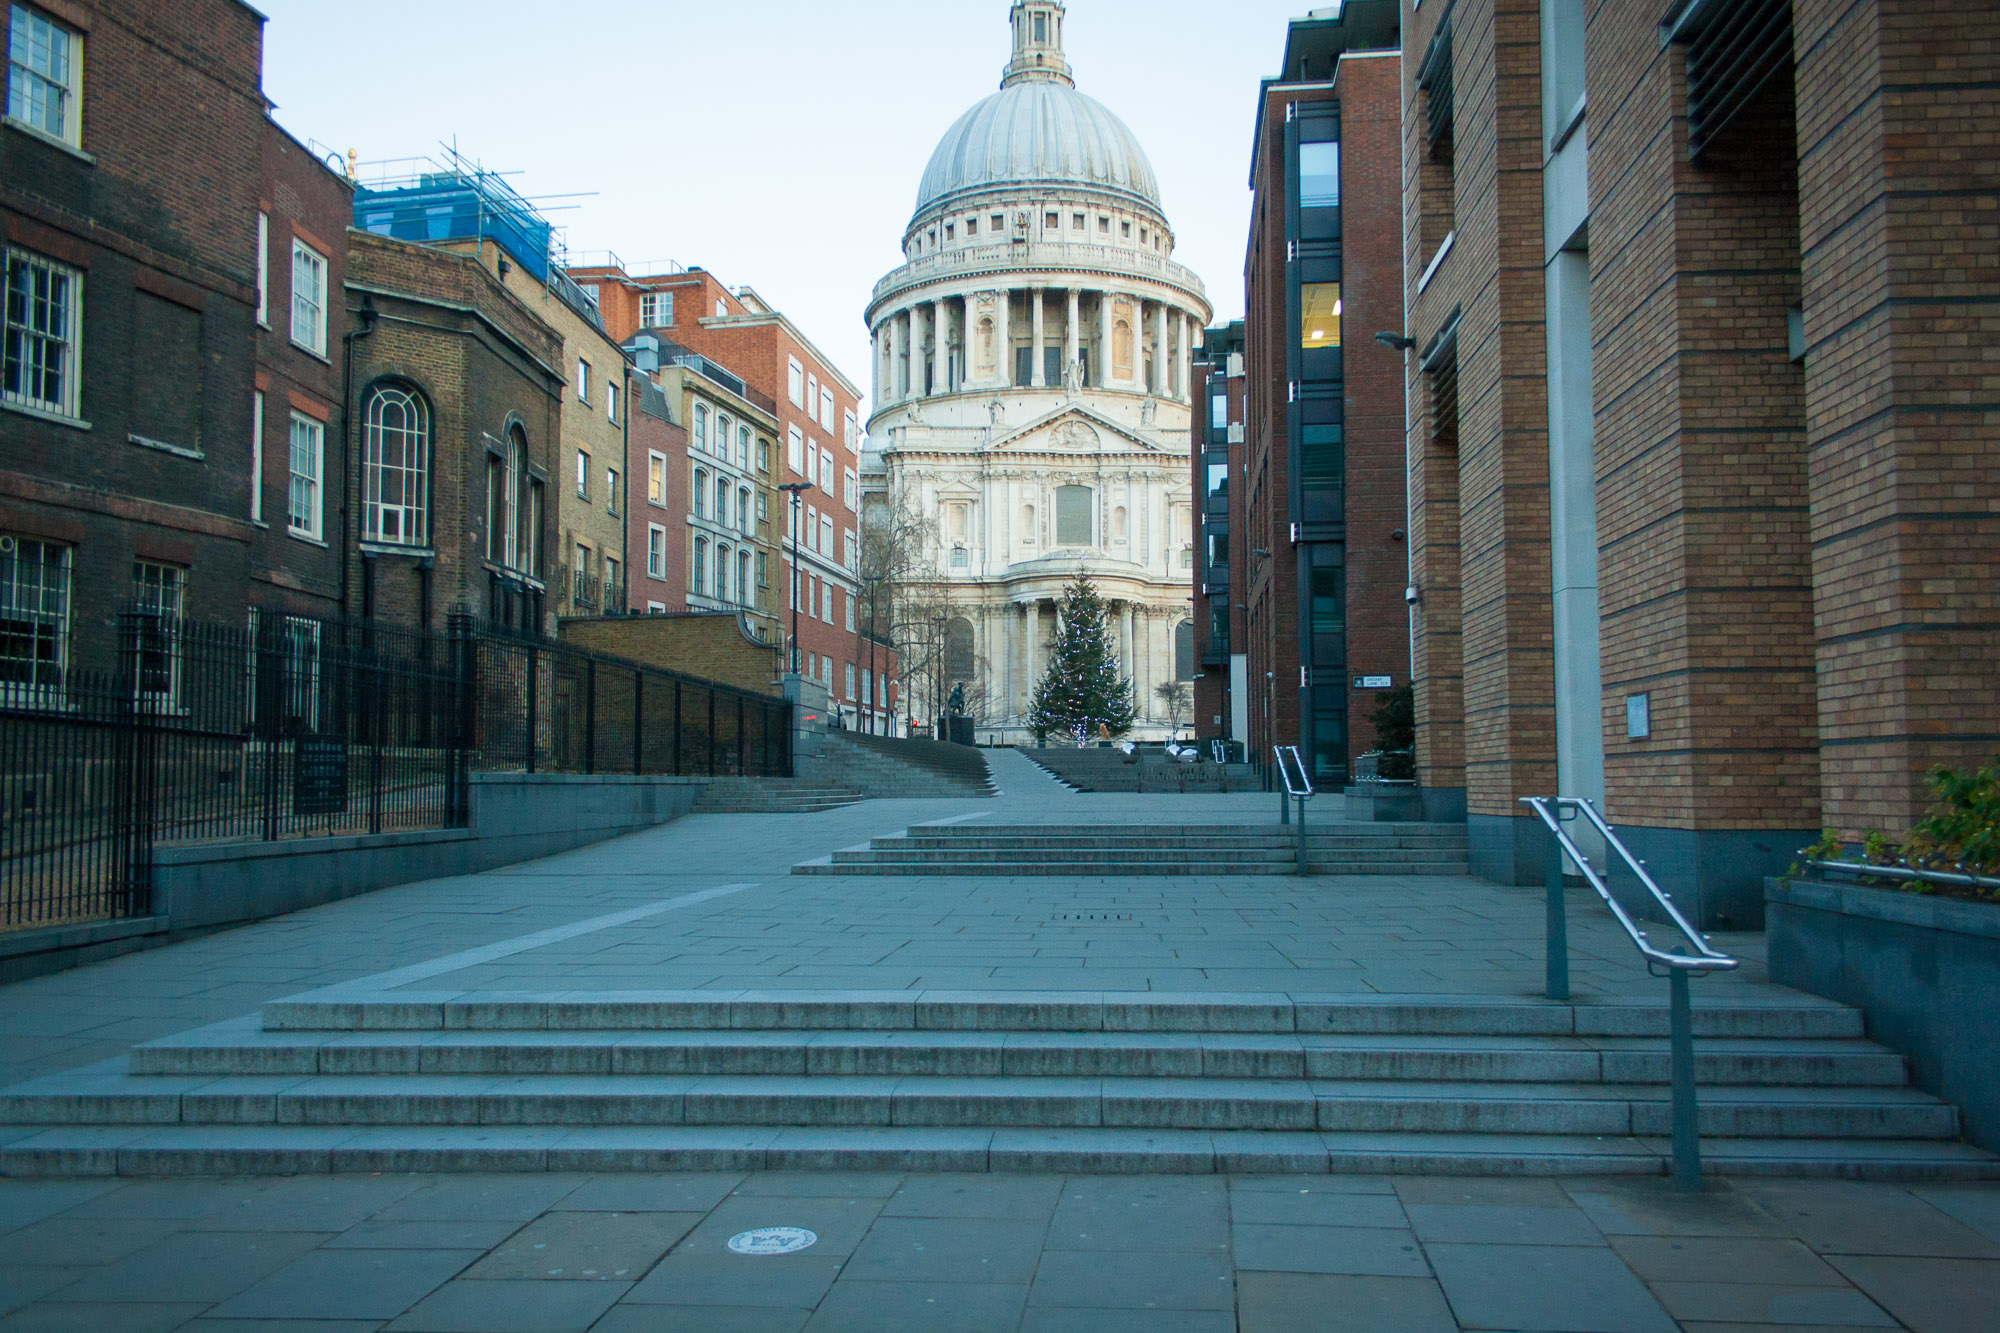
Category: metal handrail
[1910,873]
[1676,966]
[1704,959]
[1301,792]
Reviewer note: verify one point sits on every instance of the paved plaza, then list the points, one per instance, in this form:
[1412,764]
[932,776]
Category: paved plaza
[709,904]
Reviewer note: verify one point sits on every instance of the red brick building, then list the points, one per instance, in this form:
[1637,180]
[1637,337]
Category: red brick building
[1704,420]
[659,567]
[1322,571]
[136,161]
[817,408]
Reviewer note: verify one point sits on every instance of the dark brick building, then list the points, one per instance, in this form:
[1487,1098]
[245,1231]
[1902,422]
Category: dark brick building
[1221,684]
[134,154]
[1704,419]
[1322,551]
[458,392]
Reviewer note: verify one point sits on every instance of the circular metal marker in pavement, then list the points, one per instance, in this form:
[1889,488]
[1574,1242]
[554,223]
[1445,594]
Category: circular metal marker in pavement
[772,1240]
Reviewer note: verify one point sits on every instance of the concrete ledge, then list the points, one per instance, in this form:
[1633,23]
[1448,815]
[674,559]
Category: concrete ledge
[1924,970]
[515,817]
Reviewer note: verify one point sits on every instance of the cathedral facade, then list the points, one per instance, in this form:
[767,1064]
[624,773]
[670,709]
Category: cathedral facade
[1032,387]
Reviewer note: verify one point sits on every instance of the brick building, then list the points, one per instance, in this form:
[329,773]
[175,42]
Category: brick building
[817,414]
[1704,419]
[1221,683]
[459,391]
[298,412]
[1323,573]
[134,153]
[656,514]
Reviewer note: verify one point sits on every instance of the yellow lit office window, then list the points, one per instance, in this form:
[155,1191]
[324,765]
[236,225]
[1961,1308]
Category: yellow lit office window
[1321,322]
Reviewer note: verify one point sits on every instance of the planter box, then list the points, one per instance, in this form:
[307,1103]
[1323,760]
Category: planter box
[1925,970]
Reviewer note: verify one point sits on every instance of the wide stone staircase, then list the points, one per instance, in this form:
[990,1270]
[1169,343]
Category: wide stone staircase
[891,767]
[1101,769]
[971,1081]
[772,796]
[1153,849]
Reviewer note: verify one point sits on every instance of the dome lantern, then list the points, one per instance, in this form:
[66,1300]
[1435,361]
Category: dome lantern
[1038,48]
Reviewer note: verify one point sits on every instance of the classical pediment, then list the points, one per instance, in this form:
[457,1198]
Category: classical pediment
[1071,429]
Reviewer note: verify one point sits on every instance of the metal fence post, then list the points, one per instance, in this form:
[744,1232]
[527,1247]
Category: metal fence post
[1302,835]
[590,716]
[534,702]
[1687,1126]
[1558,916]
[638,722]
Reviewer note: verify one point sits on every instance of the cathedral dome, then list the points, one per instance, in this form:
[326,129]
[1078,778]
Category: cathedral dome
[1038,132]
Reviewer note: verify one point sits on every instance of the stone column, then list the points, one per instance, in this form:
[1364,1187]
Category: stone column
[1036,375]
[1072,340]
[1159,384]
[901,369]
[1004,340]
[918,357]
[1104,340]
[940,349]
[1031,624]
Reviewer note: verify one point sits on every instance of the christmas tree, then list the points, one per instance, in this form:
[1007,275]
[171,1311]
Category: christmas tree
[1082,691]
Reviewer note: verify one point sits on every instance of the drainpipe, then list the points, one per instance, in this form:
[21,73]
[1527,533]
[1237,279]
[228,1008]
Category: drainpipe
[349,458]
[625,500]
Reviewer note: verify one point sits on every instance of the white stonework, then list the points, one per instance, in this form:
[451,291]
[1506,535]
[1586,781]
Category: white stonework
[1039,337]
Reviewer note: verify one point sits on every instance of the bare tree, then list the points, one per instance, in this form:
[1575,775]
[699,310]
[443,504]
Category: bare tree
[1177,698]
[909,602]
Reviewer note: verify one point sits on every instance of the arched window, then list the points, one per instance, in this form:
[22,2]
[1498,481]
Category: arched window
[700,493]
[513,506]
[721,572]
[722,501]
[1184,650]
[746,591]
[1073,517]
[700,579]
[960,660]
[395,467]
[743,509]
[1121,350]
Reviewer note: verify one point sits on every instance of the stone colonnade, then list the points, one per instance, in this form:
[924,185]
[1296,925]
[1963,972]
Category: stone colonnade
[1015,637]
[929,348]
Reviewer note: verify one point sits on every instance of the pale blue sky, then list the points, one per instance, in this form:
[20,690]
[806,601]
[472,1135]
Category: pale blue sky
[777,143]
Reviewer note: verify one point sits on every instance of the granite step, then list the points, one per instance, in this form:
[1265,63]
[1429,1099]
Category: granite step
[239,1049]
[938,1101]
[1098,869]
[152,1151]
[348,1011]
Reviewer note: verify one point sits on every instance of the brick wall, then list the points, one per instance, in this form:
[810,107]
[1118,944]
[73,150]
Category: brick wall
[1483,636]
[710,645]
[1898,109]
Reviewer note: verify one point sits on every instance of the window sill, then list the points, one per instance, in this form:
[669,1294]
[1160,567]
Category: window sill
[43,136]
[162,446]
[45,414]
[308,539]
[1437,261]
[395,549]
[318,356]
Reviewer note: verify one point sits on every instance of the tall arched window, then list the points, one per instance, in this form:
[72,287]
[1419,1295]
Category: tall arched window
[513,506]
[722,501]
[700,574]
[395,467]
[1184,650]
[1073,516]
[721,572]
[746,591]
[700,493]
[960,658]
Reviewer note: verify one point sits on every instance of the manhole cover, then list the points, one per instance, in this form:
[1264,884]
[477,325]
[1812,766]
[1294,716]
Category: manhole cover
[772,1240]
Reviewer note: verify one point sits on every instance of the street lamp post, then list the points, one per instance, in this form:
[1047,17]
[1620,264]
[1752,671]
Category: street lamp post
[873,583]
[795,489]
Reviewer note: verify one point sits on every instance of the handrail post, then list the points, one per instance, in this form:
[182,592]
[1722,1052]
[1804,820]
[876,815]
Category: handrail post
[1302,835]
[1558,917]
[1687,1130]
[1284,796]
